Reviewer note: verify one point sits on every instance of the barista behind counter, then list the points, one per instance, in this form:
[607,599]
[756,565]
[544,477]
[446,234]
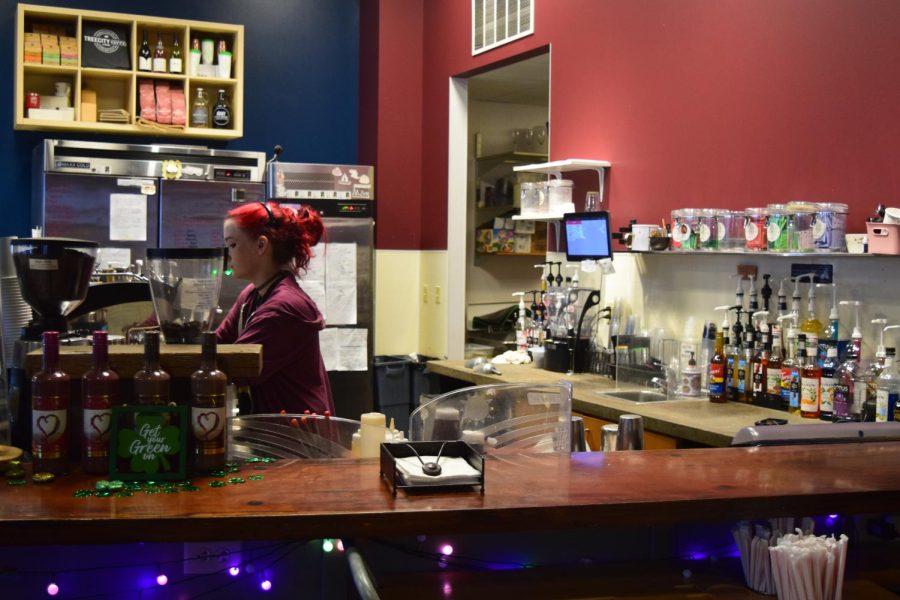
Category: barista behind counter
[268,245]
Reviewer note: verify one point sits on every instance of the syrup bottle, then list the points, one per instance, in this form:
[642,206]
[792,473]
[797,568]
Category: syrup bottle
[49,410]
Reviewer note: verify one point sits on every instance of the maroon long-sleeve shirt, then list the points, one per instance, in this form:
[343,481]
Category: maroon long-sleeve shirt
[287,324]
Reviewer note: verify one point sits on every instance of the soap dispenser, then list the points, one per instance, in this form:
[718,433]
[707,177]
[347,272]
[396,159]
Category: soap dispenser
[690,378]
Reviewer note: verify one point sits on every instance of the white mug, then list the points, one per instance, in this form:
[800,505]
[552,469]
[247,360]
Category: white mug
[63,88]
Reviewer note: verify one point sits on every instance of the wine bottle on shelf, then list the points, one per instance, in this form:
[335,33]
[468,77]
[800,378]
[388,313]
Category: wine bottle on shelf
[159,57]
[208,411]
[151,383]
[175,65]
[144,56]
[100,392]
[221,114]
[49,410]
[200,110]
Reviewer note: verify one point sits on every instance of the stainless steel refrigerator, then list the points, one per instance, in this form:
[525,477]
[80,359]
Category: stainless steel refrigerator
[341,277]
[130,197]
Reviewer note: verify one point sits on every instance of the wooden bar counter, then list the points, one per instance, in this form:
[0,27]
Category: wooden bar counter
[524,492]
[179,360]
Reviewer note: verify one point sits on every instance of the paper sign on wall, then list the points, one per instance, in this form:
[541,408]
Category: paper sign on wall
[128,217]
[340,284]
[344,349]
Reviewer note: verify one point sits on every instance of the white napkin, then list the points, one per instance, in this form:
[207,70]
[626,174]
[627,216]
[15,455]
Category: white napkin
[454,470]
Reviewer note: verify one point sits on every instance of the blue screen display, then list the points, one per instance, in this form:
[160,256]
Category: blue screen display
[587,237]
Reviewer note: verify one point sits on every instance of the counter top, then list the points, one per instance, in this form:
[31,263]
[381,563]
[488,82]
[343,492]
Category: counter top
[697,420]
[309,499]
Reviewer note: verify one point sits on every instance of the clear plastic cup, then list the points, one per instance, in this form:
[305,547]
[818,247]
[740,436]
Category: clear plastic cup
[528,197]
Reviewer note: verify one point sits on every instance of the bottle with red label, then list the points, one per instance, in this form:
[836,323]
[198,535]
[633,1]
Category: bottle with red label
[99,392]
[49,411]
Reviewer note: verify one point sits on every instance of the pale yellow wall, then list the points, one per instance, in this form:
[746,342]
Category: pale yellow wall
[410,302]
[433,315]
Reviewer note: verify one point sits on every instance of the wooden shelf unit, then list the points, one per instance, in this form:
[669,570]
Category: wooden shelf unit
[118,88]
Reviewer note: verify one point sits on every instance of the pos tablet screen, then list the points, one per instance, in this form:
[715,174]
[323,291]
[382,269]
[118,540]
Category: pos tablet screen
[587,236]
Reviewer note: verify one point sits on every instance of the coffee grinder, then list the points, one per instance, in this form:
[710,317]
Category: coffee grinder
[54,275]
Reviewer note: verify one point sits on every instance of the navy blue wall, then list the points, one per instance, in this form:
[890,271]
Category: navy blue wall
[301,88]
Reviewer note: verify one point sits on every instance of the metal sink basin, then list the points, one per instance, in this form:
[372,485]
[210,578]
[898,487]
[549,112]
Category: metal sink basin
[637,395]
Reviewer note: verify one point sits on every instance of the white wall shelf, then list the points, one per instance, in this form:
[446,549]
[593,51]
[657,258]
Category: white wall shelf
[557,167]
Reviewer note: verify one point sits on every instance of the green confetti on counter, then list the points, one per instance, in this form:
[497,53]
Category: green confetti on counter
[124,494]
[217,474]
[17,482]
[217,484]
[233,469]
[103,494]
[253,459]
[152,490]
[190,488]
[232,464]
[150,483]
[255,477]
[236,480]
[102,485]
[116,485]
[184,484]
[171,490]
[15,473]
[268,460]
[83,493]
[132,486]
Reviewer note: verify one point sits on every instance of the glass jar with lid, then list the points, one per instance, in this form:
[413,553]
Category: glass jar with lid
[707,230]
[730,226]
[560,196]
[676,230]
[528,197]
[803,214]
[755,229]
[689,230]
[829,227]
[778,230]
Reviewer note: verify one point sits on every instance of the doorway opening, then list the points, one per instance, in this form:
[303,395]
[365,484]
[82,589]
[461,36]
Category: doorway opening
[499,118]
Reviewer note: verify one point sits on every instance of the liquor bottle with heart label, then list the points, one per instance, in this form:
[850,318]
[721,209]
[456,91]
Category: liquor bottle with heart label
[49,411]
[208,413]
[99,392]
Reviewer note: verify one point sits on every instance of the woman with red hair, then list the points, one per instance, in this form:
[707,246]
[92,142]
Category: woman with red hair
[270,245]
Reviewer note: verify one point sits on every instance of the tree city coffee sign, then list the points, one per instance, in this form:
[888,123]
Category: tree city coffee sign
[148,442]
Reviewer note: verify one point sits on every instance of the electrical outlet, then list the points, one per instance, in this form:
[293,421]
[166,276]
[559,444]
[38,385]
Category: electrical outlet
[202,558]
[424,294]
[821,273]
[437,294]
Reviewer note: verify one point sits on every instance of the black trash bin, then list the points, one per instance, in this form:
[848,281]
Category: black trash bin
[423,381]
[392,389]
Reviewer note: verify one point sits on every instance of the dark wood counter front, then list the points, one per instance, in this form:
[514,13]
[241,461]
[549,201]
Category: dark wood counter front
[344,498]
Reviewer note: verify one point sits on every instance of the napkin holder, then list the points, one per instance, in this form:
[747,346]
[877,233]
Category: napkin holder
[390,452]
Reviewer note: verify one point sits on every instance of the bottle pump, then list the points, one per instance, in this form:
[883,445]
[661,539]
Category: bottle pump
[521,335]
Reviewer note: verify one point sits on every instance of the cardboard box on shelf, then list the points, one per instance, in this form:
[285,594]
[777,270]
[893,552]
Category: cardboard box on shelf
[52,114]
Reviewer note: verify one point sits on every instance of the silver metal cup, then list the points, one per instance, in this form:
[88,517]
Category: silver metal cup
[608,435]
[631,433]
[578,440]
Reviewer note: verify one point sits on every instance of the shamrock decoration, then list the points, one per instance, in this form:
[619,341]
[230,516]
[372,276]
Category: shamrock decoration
[149,443]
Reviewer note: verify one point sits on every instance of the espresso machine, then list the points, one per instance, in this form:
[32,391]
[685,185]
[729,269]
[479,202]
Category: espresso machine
[54,275]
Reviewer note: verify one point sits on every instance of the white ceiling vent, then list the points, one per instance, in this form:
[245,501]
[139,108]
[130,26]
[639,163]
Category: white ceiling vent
[497,22]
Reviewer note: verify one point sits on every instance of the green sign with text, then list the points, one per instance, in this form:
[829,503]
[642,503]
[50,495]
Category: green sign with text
[148,442]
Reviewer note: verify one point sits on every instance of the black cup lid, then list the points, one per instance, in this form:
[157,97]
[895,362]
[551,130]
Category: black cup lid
[185,253]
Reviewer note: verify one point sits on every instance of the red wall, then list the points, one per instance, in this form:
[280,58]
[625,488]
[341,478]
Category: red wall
[701,103]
